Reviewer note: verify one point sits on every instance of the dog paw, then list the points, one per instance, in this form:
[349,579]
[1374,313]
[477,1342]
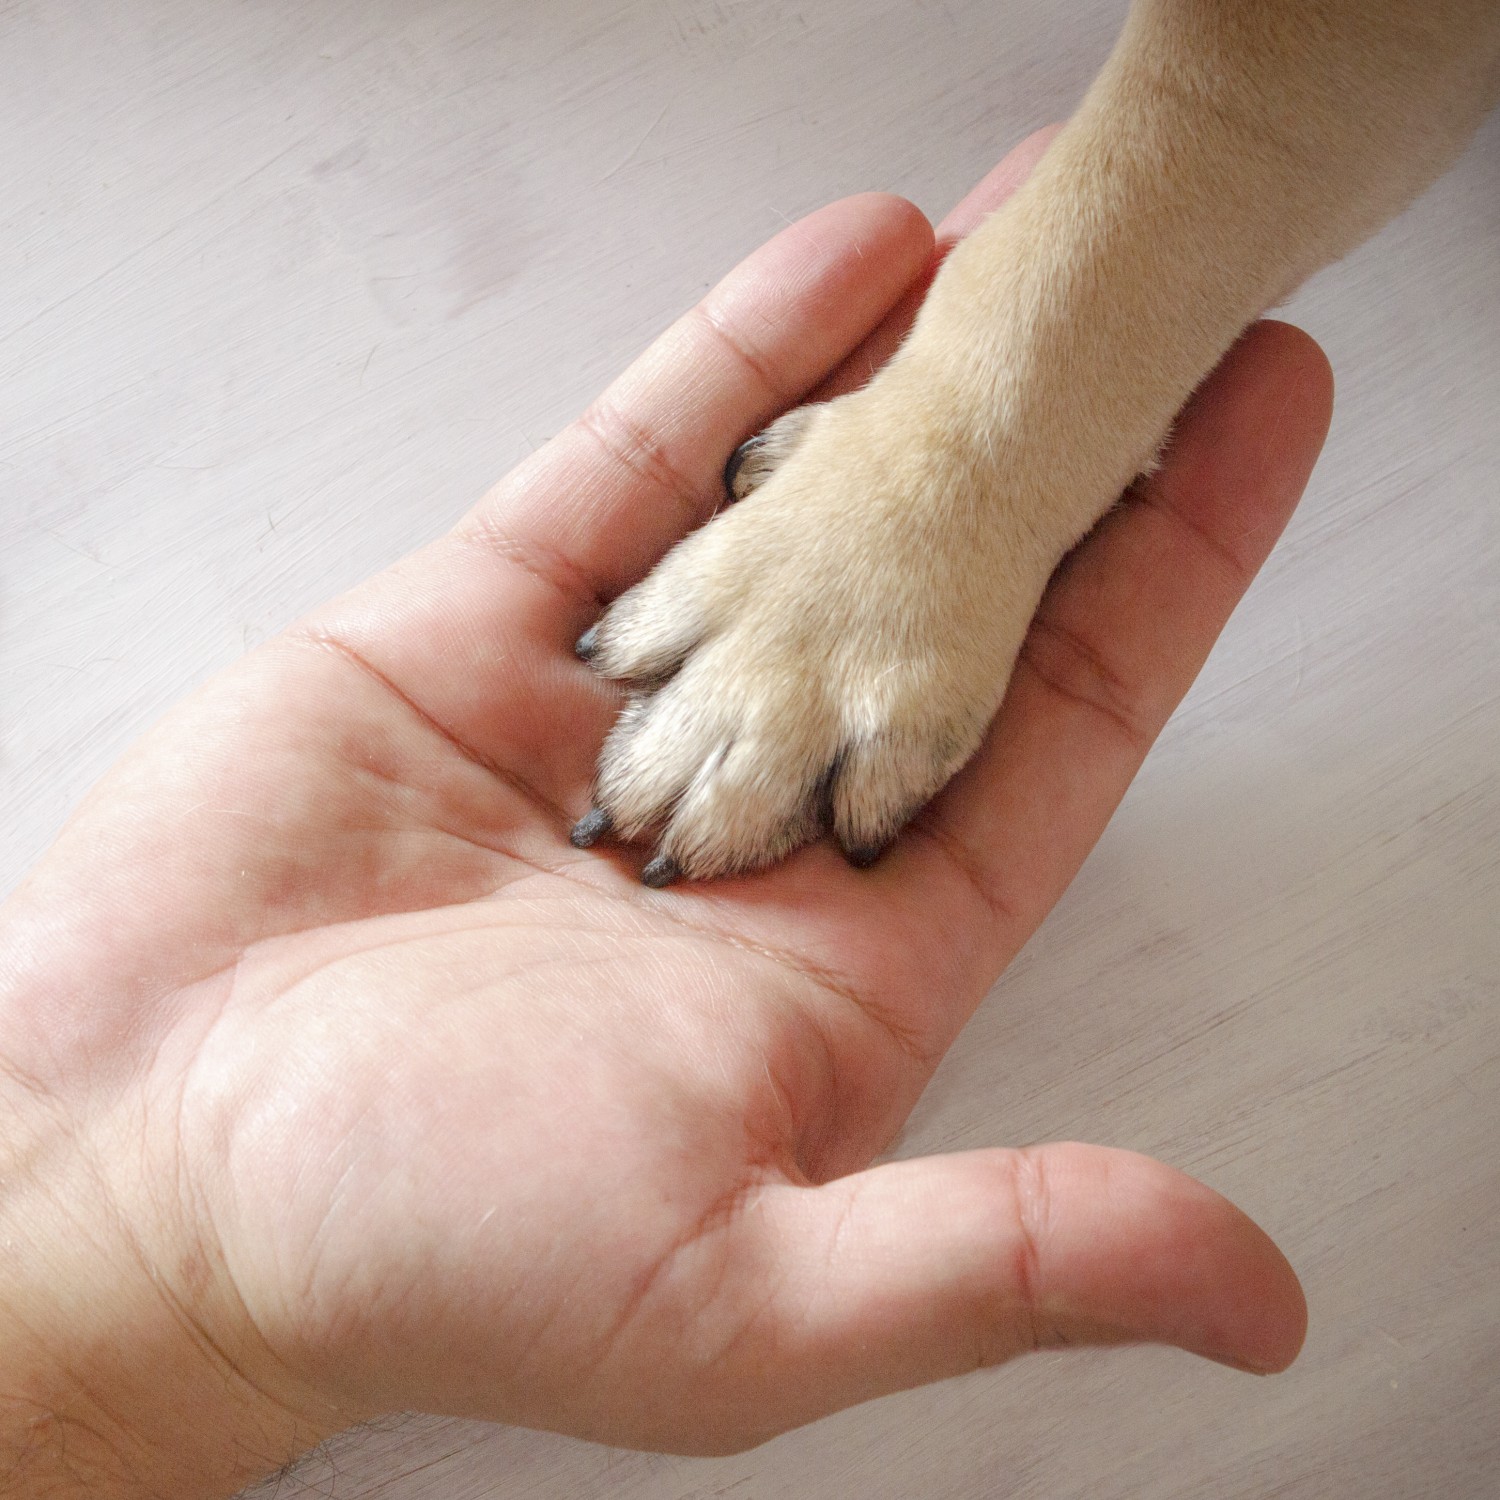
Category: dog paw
[824,654]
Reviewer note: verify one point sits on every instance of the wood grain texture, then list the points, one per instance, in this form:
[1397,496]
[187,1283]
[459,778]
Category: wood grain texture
[284,286]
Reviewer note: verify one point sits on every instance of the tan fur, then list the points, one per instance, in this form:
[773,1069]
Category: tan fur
[832,648]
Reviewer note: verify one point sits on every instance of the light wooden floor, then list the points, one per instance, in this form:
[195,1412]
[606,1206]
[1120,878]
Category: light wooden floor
[283,286]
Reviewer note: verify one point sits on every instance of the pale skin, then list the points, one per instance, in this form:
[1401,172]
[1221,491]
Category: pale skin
[335,1081]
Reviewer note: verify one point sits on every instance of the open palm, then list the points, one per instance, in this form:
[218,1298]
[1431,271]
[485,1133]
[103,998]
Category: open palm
[415,1105]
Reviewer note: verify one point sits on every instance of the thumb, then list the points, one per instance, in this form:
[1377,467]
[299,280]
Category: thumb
[914,1271]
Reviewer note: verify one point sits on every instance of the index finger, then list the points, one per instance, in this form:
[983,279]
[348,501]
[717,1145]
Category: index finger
[643,465]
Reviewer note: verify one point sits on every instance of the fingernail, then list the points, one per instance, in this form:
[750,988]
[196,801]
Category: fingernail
[590,828]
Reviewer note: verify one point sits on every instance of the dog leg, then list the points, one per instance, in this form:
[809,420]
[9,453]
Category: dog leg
[830,650]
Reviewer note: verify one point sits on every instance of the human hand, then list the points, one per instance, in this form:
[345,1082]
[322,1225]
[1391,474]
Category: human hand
[336,1081]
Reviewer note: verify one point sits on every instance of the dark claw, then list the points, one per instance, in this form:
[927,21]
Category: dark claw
[736,462]
[823,792]
[862,856]
[587,644]
[590,828]
[662,870]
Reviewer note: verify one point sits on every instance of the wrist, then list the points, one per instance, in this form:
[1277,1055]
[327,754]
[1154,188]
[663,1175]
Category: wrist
[126,1370]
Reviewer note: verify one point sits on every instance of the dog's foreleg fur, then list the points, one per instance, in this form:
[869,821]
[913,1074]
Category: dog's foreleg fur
[831,649]
[1227,151]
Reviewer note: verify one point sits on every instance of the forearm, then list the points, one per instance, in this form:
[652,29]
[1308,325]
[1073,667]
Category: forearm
[112,1382]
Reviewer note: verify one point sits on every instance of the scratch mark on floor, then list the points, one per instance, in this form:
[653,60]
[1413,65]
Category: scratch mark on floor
[634,151]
